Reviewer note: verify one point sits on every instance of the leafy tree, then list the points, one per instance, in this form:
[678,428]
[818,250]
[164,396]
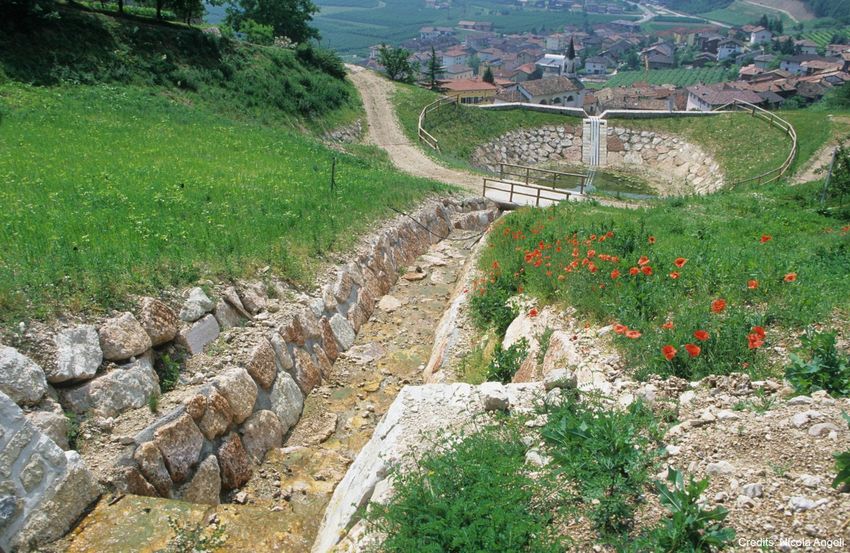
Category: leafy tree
[632,60]
[288,18]
[396,62]
[186,10]
[257,32]
[474,62]
[488,76]
[434,70]
[764,22]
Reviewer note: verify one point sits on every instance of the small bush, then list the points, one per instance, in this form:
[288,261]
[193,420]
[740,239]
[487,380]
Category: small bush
[168,371]
[506,362]
[73,429]
[474,494]
[842,464]
[823,368]
[489,306]
[690,529]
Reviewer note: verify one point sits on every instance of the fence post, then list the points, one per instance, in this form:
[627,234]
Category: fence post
[511,197]
[538,198]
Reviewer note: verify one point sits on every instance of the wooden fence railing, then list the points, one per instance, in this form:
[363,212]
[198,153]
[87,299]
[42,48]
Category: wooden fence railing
[523,194]
[425,136]
[544,177]
[774,121]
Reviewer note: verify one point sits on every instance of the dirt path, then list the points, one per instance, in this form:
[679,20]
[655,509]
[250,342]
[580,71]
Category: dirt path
[385,131]
[816,168]
[794,9]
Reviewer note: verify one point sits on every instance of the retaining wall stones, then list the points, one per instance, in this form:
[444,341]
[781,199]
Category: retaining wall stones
[675,164]
[209,444]
[346,134]
[43,490]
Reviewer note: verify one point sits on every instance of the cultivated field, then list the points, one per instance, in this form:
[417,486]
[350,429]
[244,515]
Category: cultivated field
[678,77]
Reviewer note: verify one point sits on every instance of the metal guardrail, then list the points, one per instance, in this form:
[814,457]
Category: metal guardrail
[774,121]
[520,189]
[535,177]
[425,136]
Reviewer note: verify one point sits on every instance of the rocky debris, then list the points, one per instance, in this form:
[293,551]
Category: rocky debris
[536,458]
[226,315]
[180,443]
[254,297]
[231,296]
[414,276]
[260,433]
[800,420]
[287,401]
[559,378]
[261,365]
[196,306]
[199,334]
[205,485]
[364,354]
[493,397]
[119,389]
[720,468]
[753,490]
[122,337]
[77,355]
[234,463]
[217,416]
[823,429]
[20,378]
[152,466]
[53,486]
[240,390]
[159,321]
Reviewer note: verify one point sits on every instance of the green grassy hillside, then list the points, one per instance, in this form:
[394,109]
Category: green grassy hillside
[137,183]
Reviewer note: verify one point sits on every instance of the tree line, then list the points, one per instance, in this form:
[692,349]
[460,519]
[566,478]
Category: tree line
[262,20]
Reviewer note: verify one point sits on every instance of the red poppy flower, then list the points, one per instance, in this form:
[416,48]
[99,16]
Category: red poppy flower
[620,329]
[633,334]
[651,240]
[790,277]
[701,335]
[668,325]
[674,275]
[754,341]
[633,271]
[643,260]
[752,284]
[669,352]
[532,312]
[646,269]
[717,306]
[591,267]
[692,349]
[765,238]
[759,331]
[591,253]
[680,262]
[615,274]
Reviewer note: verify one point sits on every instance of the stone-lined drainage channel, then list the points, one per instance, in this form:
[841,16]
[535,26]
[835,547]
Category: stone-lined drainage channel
[281,507]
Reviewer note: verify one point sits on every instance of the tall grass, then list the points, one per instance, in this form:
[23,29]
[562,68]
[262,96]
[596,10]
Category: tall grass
[112,190]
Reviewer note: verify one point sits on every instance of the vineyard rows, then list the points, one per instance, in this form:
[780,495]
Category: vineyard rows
[678,77]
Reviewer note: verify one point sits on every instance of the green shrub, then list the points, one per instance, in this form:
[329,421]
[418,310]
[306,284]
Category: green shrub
[607,454]
[471,494]
[168,371]
[73,429]
[489,306]
[690,528]
[506,362]
[822,367]
[842,464]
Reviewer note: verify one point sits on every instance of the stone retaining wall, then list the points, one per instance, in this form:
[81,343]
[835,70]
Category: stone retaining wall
[346,134]
[675,164]
[43,490]
[209,444]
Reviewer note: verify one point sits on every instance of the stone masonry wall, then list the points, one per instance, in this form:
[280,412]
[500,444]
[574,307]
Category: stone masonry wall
[209,444]
[43,490]
[676,165]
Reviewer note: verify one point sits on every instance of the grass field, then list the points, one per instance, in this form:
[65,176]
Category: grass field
[460,129]
[109,191]
[741,13]
[678,77]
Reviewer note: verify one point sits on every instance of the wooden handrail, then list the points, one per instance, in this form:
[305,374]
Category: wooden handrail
[425,136]
[525,173]
[539,193]
[773,120]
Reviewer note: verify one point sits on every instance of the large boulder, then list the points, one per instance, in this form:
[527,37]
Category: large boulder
[20,378]
[260,433]
[261,364]
[152,465]
[123,388]
[196,337]
[205,486]
[307,373]
[287,401]
[342,331]
[217,416]
[240,390]
[54,425]
[196,306]
[158,320]
[180,443]
[234,462]
[78,355]
[227,315]
[122,337]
